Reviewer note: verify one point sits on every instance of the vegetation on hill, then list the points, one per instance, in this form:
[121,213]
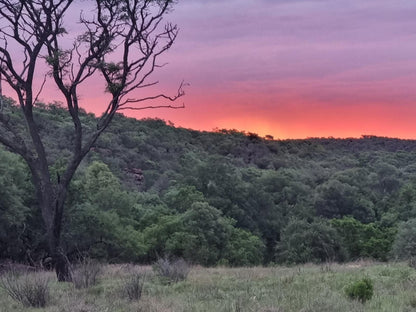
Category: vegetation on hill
[148,189]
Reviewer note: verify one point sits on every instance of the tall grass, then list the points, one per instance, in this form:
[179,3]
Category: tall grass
[85,273]
[172,271]
[307,288]
[132,283]
[28,288]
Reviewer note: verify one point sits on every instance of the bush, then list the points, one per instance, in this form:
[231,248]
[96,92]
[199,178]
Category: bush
[30,289]
[361,290]
[86,273]
[133,286]
[173,271]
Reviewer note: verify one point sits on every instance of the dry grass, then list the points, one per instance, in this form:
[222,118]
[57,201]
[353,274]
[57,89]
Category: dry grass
[172,271]
[27,288]
[85,274]
[305,288]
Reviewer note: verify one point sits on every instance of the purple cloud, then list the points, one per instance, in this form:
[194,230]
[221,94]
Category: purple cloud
[326,47]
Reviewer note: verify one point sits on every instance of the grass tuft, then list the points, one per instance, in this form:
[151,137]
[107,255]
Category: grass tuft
[133,286]
[29,289]
[172,271]
[86,273]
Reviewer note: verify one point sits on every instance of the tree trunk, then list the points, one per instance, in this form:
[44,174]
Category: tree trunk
[52,208]
[61,264]
[59,259]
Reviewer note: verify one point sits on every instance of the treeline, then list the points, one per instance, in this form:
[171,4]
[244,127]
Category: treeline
[148,189]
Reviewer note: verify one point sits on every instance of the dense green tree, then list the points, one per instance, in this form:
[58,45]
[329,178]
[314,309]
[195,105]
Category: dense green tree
[200,234]
[335,199]
[364,240]
[303,242]
[404,246]
[203,235]
[243,249]
[211,231]
[181,198]
[101,218]
[162,237]
[15,206]
[406,202]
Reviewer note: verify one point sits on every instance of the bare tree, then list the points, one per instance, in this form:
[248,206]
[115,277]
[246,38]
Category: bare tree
[121,42]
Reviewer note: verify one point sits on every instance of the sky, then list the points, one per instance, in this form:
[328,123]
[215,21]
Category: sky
[289,68]
[295,69]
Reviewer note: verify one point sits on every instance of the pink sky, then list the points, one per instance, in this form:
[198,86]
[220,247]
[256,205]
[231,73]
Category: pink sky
[292,68]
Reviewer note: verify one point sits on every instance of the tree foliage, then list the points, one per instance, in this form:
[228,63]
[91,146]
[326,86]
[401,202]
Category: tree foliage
[303,242]
[405,244]
[149,190]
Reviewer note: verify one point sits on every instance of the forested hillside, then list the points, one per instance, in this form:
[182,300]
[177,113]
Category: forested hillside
[148,189]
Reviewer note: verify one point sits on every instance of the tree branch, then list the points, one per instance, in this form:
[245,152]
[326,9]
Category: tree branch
[152,107]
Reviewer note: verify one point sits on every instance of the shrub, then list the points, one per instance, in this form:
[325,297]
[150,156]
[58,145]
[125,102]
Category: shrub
[172,271]
[361,290]
[133,286]
[30,289]
[86,273]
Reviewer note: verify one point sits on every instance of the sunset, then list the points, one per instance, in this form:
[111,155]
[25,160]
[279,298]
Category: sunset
[290,69]
[294,69]
[193,155]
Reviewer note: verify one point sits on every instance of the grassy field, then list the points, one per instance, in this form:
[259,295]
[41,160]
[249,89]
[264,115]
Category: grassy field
[272,289]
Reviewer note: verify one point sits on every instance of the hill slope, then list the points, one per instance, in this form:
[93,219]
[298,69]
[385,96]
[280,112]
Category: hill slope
[148,189]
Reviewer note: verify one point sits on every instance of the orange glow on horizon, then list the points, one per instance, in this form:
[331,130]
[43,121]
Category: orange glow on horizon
[284,116]
[291,121]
